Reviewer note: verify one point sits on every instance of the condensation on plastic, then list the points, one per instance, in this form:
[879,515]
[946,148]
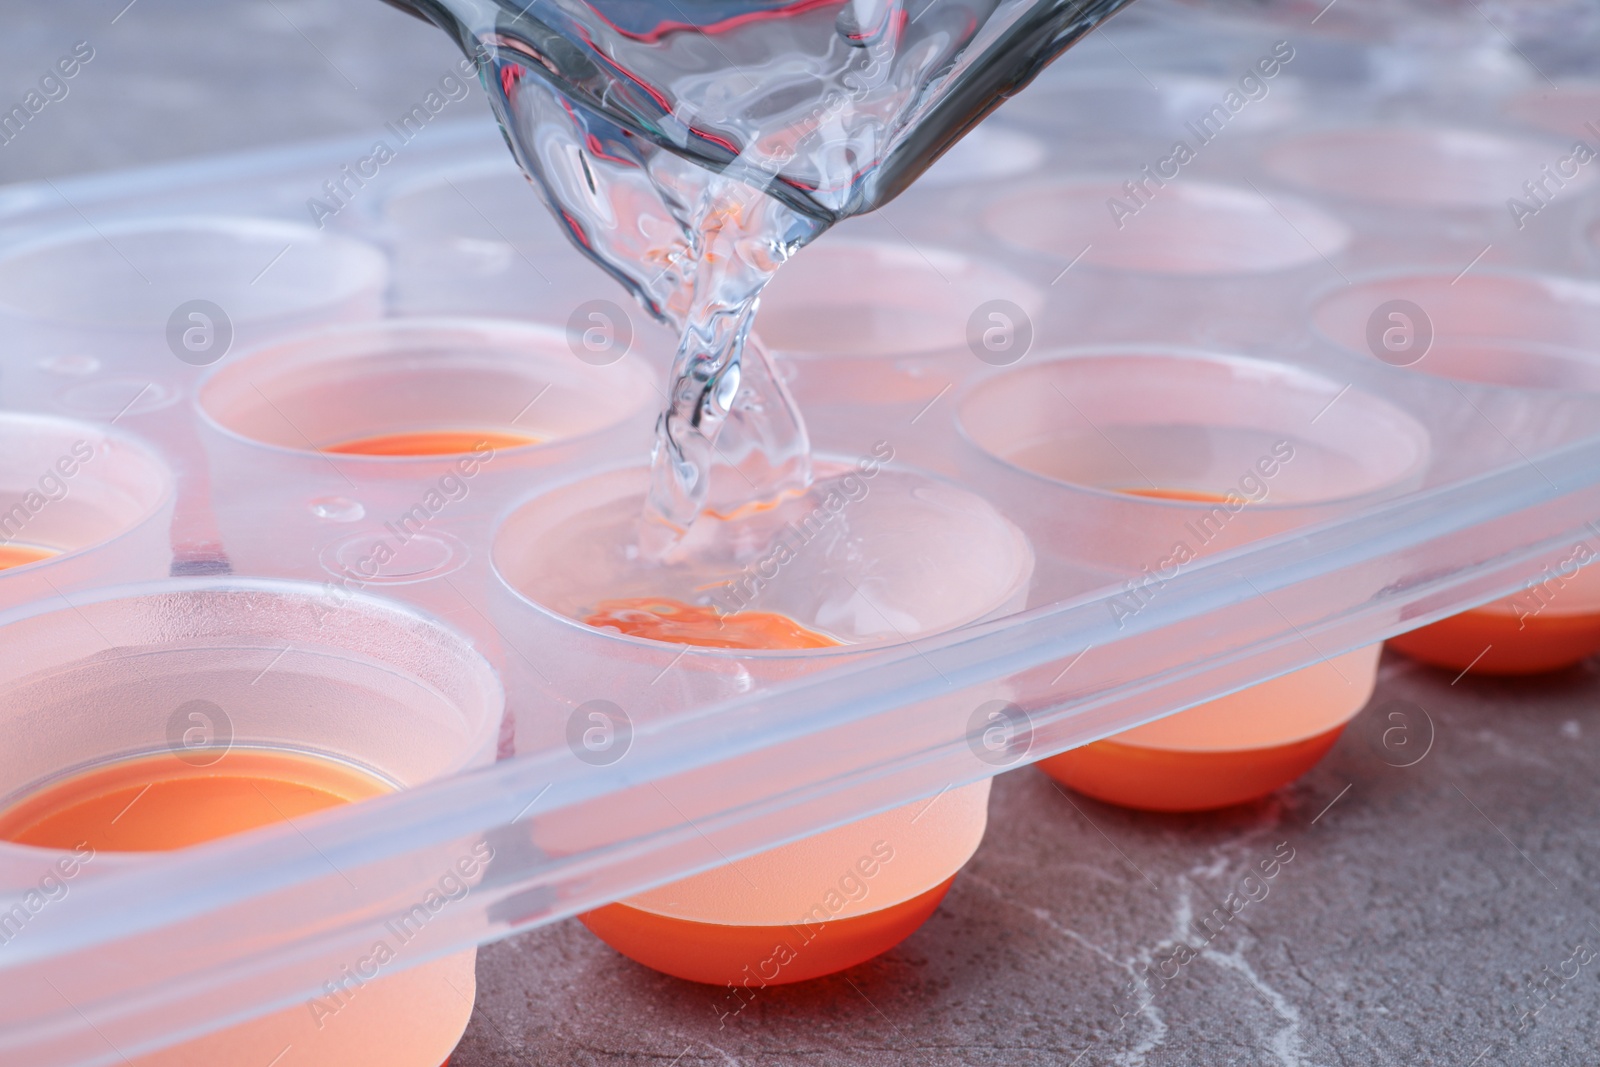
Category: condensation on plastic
[158,951]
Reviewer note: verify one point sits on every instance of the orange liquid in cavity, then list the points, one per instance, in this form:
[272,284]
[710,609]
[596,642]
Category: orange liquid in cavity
[21,555]
[716,953]
[1497,642]
[756,956]
[1202,773]
[158,803]
[677,623]
[431,443]
[1154,779]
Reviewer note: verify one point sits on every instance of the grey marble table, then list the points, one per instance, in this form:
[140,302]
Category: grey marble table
[1427,911]
[1441,913]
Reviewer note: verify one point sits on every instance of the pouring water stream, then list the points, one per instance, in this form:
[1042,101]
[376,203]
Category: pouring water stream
[690,147]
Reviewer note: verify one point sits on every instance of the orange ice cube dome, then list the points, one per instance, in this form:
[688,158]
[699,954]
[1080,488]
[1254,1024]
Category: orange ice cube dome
[158,803]
[809,908]
[1227,751]
[1552,624]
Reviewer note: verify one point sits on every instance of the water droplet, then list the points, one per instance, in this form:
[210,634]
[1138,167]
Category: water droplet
[70,366]
[337,509]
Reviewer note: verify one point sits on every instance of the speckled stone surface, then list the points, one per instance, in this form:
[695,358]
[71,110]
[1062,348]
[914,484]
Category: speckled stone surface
[1422,909]
[1427,909]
